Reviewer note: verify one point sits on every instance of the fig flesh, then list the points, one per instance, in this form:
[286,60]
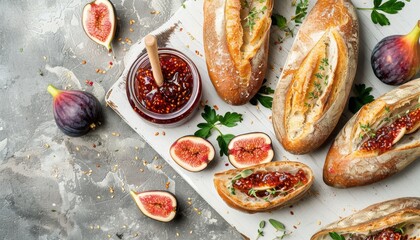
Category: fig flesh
[99,22]
[158,205]
[250,149]
[75,112]
[192,153]
[396,59]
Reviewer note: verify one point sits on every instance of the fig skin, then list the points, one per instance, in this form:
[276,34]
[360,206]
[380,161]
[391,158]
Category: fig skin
[396,59]
[248,137]
[87,14]
[183,162]
[75,112]
[136,197]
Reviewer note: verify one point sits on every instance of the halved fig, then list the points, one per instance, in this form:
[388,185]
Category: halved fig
[158,205]
[250,149]
[99,22]
[192,153]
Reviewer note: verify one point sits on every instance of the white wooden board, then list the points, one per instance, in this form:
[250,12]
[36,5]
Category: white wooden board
[323,204]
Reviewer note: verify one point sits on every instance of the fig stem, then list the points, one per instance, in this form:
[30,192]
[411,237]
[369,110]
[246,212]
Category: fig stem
[53,91]
[152,51]
[414,35]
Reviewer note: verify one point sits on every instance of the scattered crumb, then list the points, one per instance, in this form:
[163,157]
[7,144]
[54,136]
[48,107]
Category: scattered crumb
[180,29]
[46,145]
[137,148]
[191,232]
[115,134]
[98,197]
[141,170]
[119,39]
[154,12]
[131,30]
[88,172]
[177,234]
[128,41]
[83,62]
[155,158]
[167,185]
[216,107]
[163,133]
[158,166]
[318,222]
[144,162]
[77,149]
[156,133]
[292,213]
[132,21]
[111,189]
[294,227]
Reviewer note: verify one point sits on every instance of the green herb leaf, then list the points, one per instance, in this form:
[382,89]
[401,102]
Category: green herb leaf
[223,141]
[246,173]
[301,11]
[209,115]
[262,224]
[277,225]
[362,97]
[265,101]
[204,131]
[230,119]
[390,7]
[279,21]
[336,236]
[252,192]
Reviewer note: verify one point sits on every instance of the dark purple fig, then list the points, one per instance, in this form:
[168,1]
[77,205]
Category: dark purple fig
[396,59]
[158,205]
[250,149]
[99,22]
[192,153]
[75,112]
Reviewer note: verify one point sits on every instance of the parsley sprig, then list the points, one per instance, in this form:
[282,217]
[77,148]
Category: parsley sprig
[301,11]
[263,97]
[280,227]
[390,7]
[213,120]
[361,98]
[253,16]
[260,229]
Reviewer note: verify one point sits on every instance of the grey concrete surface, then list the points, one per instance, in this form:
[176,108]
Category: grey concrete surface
[57,187]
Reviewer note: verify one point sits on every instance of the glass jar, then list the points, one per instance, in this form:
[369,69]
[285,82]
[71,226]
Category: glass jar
[171,104]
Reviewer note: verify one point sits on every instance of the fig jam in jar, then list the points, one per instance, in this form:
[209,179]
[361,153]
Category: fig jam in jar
[172,103]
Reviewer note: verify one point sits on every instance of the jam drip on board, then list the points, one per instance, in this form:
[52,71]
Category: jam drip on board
[263,184]
[388,234]
[175,91]
[385,137]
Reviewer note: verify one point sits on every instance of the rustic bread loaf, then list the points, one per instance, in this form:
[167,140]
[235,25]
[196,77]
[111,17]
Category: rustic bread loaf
[317,77]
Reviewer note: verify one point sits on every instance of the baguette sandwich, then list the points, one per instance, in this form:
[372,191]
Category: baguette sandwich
[236,39]
[265,186]
[381,139]
[317,77]
[397,219]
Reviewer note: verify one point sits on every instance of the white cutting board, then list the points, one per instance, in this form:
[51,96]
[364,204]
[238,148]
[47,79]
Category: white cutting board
[323,204]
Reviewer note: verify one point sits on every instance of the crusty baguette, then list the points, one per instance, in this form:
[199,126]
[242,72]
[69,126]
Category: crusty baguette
[398,213]
[244,202]
[236,39]
[349,163]
[317,77]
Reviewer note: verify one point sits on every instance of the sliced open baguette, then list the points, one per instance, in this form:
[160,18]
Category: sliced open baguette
[354,161]
[236,39]
[317,77]
[396,215]
[264,196]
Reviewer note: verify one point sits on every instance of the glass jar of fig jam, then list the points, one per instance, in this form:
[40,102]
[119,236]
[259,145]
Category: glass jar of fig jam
[172,103]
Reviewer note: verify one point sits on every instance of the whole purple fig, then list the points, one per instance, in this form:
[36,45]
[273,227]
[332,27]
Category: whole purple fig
[75,112]
[396,59]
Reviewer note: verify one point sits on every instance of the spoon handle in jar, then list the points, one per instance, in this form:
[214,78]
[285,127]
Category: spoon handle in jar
[152,51]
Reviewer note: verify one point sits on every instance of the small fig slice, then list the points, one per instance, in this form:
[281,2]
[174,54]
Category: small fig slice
[396,59]
[192,153]
[99,22]
[75,112]
[158,205]
[250,149]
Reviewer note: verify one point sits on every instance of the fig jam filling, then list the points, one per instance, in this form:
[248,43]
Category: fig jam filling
[175,91]
[384,138]
[388,234]
[263,184]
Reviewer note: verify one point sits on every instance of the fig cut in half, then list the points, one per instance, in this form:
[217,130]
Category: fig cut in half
[250,149]
[99,22]
[192,153]
[158,205]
